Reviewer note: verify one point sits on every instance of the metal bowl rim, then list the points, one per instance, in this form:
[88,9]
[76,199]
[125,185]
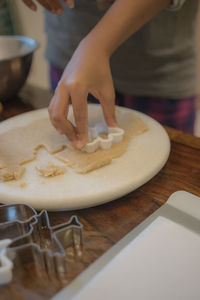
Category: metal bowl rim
[20,38]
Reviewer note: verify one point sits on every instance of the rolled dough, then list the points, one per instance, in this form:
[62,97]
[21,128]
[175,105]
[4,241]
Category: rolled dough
[19,146]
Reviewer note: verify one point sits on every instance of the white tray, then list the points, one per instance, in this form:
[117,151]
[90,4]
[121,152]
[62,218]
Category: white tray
[145,156]
[158,260]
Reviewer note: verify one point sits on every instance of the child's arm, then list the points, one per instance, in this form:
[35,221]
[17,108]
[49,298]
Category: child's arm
[123,19]
[89,71]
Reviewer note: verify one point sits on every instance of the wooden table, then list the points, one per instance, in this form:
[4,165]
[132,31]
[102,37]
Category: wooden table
[105,225]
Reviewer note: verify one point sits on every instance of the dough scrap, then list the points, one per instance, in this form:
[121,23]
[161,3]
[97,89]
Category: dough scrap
[23,185]
[12,173]
[19,145]
[84,162]
[50,170]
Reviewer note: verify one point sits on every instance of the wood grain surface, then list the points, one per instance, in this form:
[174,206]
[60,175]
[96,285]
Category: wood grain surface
[105,225]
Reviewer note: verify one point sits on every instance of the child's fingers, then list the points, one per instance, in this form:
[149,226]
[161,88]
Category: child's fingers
[108,105]
[80,109]
[58,111]
[30,4]
[45,4]
[69,3]
[56,6]
[53,6]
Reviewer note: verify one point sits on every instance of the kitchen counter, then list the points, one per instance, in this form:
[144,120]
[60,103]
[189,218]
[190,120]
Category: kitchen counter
[105,225]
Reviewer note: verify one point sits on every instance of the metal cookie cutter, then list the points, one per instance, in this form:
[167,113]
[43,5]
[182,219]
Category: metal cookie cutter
[6,265]
[27,237]
[114,135]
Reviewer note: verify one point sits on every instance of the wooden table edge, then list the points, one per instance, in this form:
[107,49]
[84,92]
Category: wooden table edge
[180,137]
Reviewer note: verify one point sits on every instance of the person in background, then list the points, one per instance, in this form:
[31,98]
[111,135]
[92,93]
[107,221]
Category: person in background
[139,54]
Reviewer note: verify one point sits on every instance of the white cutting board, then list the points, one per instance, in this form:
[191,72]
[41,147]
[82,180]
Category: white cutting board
[158,260]
[145,156]
[161,263]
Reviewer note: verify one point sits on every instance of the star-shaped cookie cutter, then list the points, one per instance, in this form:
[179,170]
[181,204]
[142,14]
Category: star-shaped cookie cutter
[26,236]
[113,135]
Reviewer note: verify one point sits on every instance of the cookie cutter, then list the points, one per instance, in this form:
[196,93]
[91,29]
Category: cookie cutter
[6,265]
[114,135]
[27,237]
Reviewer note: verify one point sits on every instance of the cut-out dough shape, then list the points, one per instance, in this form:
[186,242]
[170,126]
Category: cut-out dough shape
[111,135]
[84,162]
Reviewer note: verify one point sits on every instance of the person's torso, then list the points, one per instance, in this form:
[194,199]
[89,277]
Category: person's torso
[161,48]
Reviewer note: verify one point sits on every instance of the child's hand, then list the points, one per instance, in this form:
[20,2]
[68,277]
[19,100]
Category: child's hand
[53,6]
[87,72]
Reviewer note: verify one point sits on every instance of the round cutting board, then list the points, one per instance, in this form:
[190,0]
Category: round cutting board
[145,156]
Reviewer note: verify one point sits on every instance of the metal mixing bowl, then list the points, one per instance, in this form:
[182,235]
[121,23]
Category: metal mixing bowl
[16,53]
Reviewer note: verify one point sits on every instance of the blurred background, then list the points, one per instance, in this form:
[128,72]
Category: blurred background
[20,20]
[28,23]
[16,18]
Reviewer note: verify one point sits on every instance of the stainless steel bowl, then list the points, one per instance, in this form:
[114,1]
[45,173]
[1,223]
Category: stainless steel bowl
[16,53]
